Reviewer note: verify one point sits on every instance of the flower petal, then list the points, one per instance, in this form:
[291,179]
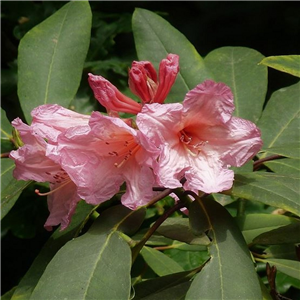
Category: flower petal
[210,103]
[168,70]
[110,97]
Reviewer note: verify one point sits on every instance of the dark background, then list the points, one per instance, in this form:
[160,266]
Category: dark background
[270,27]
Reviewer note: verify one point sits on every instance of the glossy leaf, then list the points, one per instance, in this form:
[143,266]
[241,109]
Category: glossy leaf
[155,38]
[229,257]
[95,265]
[11,193]
[56,241]
[279,122]
[284,166]
[282,235]
[252,225]
[286,266]
[238,68]
[51,57]
[178,229]
[285,63]
[160,263]
[273,189]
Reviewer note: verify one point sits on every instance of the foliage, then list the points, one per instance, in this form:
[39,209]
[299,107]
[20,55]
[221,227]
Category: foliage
[242,244]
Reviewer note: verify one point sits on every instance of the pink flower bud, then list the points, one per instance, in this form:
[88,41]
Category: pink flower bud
[110,97]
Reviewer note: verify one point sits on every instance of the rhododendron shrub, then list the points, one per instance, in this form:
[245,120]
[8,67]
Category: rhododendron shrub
[165,188]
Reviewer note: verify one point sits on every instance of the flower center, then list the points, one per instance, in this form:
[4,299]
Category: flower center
[122,150]
[191,142]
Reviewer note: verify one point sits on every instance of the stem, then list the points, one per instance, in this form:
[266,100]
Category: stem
[160,196]
[137,248]
[5,155]
[259,162]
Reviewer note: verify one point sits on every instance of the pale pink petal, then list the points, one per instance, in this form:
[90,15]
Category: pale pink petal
[50,120]
[208,174]
[210,103]
[168,70]
[110,97]
[61,204]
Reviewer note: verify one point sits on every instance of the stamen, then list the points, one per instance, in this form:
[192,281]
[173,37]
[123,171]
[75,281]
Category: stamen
[52,191]
[193,149]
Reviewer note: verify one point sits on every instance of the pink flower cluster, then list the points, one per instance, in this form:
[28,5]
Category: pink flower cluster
[91,157]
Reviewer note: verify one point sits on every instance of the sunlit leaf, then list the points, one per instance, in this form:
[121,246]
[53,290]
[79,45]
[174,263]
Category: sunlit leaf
[155,38]
[279,122]
[270,188]
[284,166]
[229,257]
[160,263]
[285,63]
[56,241]
[95,265]
[51,57]
[238,68]
[289,149]
[252,225]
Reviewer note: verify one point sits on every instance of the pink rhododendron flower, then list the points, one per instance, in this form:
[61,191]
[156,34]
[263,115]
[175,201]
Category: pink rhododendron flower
[32,164]
[199,139]
[102,156]
[142,82]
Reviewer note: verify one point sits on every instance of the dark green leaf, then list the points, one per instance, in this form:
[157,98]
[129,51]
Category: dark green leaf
[285,63]
[285,251]
[238,68]
[282,235]
[273,189]
[56,241]
[279,122]
[156,285]
[10,194]
[229,257]
[51,57]
[155,38]
[160,263]
[95,265]
[178,229]
[252,225]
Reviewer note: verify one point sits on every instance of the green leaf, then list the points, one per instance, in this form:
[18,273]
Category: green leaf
[6,127]
[286,266]
[56,241]
[238,68]
[284,166]
[51,57]
[160,263]
[290,150]
[273,189]
[11,193]
[7,295]
[282,235]
[155,38]
[157,285]
[229,257]
[285,63]
[95,265]
[285,251]
[176,292]
[178,229]
[279,122]
[252,225]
